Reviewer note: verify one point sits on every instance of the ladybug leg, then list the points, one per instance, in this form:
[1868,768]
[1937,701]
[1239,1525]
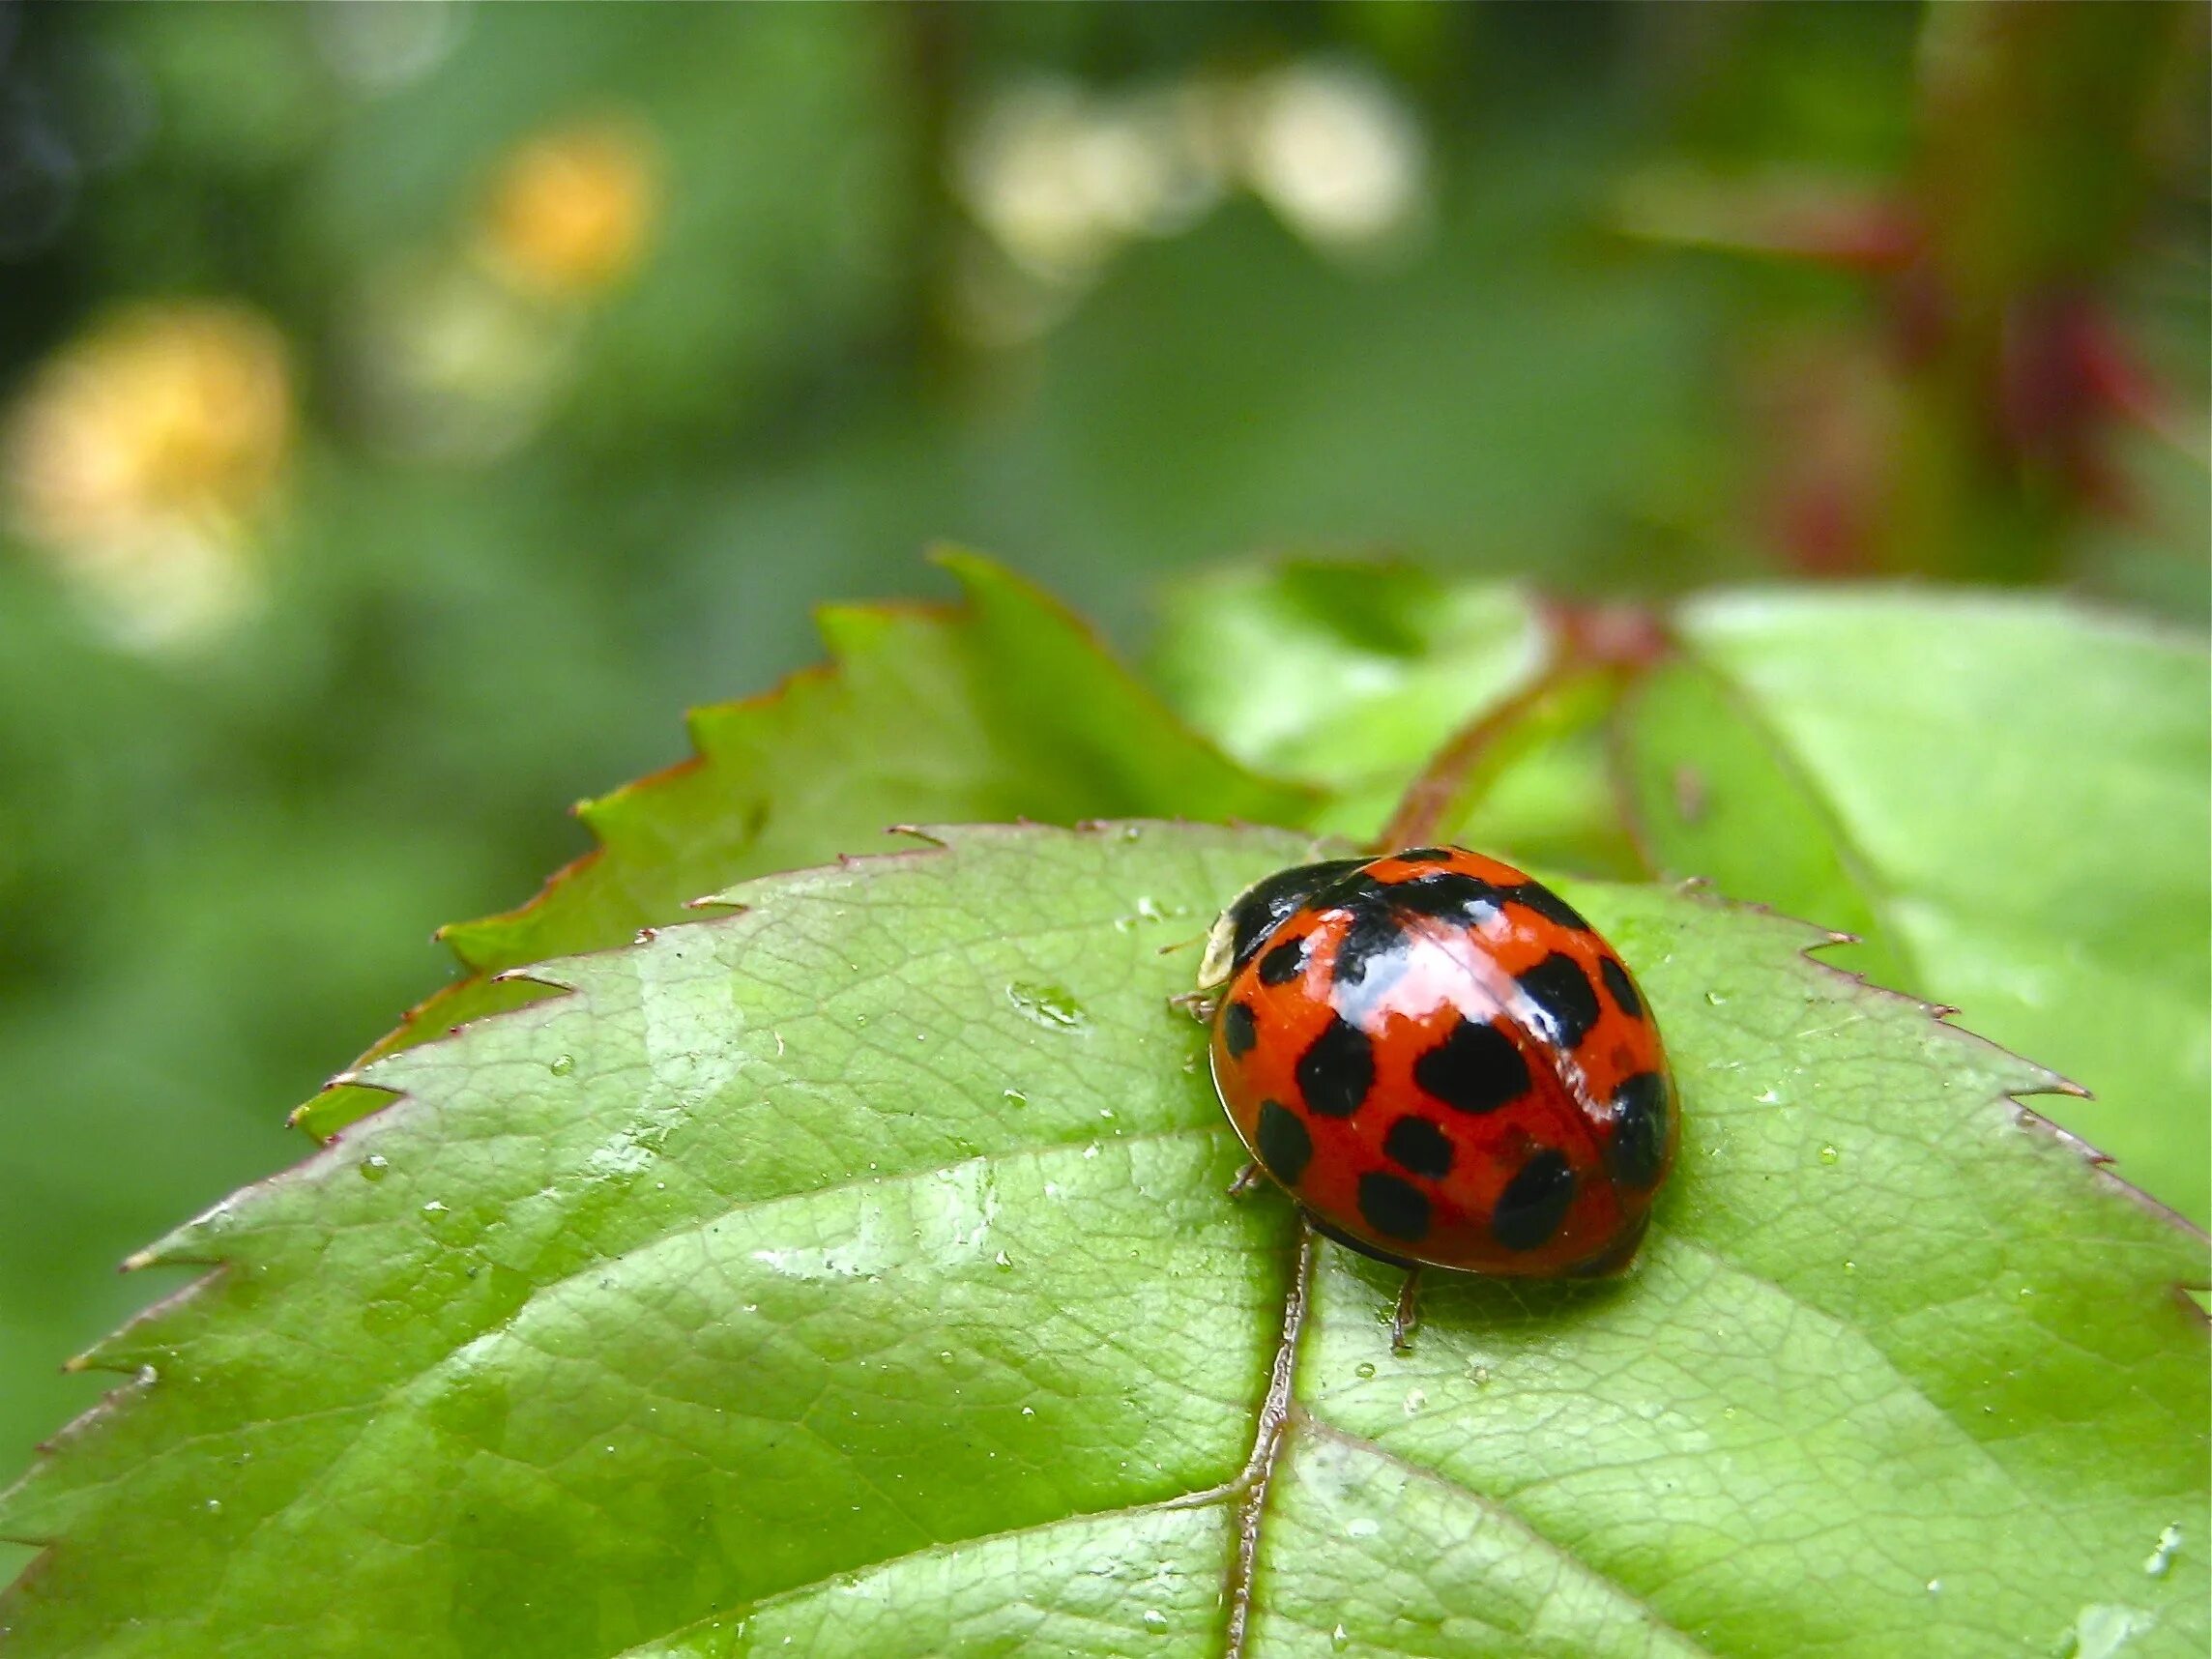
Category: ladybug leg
[1407,1318]
[1246,1180]
[1200,1006]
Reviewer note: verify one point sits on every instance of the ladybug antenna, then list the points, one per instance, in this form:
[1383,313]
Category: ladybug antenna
[1183,944]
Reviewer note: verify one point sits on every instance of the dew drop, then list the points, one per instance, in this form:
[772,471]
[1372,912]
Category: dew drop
[1340,1639]
[1830,1154]
[434,1208]
[1365,1368]
[1014,1098]
[1480,1375]
[1935,1586]
[1155,1621]
[1004,1260]
[563,1064]
[1715,999]
[1366,1527]
[1850,1267]
[1052,1007]
[375,1167]
[215,1506]
[2163,1552]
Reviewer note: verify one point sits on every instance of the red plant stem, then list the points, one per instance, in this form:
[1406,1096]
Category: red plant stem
[1612,640]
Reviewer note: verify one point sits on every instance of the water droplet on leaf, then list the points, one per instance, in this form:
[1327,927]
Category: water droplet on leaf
[1052,1007]
[375,1167]
[563,1064]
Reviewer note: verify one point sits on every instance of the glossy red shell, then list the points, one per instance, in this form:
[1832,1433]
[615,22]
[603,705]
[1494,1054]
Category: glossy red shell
[1445,1065]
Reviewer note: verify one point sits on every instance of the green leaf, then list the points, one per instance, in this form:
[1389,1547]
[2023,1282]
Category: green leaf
[1347,675]
[1004,707]
[852,1273]
[2007,795]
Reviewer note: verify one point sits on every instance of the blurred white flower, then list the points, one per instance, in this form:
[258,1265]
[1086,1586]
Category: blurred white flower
[1059,178]
[1333,149]
[144,459]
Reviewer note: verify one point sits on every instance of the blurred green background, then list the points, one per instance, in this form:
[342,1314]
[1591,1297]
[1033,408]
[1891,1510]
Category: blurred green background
[405,411]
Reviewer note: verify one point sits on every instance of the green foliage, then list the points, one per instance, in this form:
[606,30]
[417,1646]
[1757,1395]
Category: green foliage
[1004,709]
[855,1268]
[2017,793]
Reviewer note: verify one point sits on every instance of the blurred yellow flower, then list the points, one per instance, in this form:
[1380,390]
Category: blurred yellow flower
[141,455]
[570,210]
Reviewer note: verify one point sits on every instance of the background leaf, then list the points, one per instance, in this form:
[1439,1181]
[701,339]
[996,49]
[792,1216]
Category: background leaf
[853,1269]
[1005,708]
[2020,792]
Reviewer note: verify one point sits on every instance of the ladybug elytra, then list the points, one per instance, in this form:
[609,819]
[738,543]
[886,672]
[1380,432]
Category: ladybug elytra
[1442,1063]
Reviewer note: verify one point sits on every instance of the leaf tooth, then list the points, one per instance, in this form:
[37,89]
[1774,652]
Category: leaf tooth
[541,974]
[2017,1076]
[142,1345]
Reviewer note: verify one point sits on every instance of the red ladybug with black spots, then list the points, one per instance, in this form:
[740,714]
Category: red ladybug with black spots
[1442,1063]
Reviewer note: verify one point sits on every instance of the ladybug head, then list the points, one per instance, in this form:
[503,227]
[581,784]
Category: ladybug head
[1258,910]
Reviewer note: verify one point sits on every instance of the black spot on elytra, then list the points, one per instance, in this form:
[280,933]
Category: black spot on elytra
[1261,907]
[1285,1146]
[1393,1207]
[1378,911]
[1337,1070]
[1282,963]
[1565,1002]
[1447,896]
[1639,1145]
[1239,1029]
[1476,1068]
[1535,1202]
[1537,896]
[1620,987]
[1417,1144]
[1371,934]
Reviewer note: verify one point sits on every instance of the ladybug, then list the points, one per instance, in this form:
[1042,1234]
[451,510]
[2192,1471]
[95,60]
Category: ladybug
[1442,1063]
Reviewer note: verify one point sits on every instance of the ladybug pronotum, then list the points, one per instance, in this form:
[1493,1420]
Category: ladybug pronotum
[1442,1063]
